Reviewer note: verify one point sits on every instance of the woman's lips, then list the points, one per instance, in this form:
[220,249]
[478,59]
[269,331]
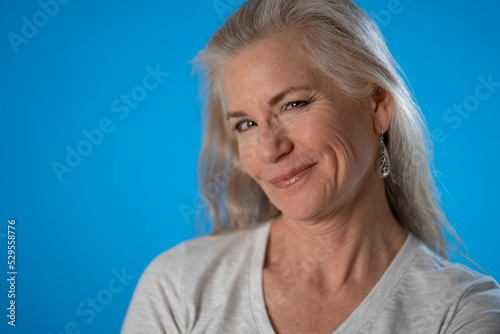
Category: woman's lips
[292,177]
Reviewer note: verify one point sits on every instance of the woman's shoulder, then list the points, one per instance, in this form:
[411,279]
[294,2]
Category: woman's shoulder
[431,294]
[432,267]
[467,299]
[204,252]
[194,271]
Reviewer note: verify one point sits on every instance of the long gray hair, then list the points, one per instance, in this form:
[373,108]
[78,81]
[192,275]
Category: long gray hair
[342,42]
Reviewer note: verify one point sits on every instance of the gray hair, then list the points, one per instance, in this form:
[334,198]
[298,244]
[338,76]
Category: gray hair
[343,43]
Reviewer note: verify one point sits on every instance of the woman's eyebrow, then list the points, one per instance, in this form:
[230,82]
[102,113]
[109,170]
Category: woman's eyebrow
[272,101]
[235,114]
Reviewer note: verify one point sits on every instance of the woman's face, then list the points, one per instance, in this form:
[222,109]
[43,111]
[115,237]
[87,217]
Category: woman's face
[310,147]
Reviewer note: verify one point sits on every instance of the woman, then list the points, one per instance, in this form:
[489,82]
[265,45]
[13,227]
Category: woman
[326,220]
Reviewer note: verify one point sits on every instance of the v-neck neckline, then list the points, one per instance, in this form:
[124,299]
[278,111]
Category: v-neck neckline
[372,302]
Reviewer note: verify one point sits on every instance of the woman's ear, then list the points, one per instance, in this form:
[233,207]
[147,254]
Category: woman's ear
[381,107]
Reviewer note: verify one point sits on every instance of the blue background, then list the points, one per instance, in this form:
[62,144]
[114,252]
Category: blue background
[120,205]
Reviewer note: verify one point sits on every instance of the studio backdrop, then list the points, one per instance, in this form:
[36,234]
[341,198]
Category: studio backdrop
[100,131]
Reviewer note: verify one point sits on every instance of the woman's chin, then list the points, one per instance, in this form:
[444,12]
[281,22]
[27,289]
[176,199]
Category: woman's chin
[301,207]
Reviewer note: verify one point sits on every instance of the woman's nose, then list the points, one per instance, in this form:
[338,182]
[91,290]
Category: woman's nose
[273,143]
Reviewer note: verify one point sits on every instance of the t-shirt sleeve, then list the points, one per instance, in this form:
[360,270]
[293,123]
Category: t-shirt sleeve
[478,310]
[156,305]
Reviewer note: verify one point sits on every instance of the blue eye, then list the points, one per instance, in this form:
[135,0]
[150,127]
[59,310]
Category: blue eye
[244,125]
[294,105]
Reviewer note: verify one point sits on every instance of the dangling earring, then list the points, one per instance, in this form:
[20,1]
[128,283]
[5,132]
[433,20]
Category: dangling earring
[382,163]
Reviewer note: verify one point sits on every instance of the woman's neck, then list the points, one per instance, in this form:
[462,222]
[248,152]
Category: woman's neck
[355,244]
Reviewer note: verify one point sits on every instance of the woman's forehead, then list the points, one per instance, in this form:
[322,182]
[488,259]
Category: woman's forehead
[270,65]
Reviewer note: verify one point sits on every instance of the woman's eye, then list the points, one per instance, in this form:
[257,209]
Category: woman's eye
[244,125]
[294,104]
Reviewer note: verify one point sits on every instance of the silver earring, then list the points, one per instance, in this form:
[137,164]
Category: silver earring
[382,163]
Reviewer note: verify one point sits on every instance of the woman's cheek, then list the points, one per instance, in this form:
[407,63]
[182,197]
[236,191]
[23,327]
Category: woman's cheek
[317,129]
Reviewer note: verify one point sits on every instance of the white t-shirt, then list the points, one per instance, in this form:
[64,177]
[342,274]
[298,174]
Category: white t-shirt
[213,284]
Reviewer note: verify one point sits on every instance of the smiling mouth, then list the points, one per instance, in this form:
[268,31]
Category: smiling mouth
[292,177]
